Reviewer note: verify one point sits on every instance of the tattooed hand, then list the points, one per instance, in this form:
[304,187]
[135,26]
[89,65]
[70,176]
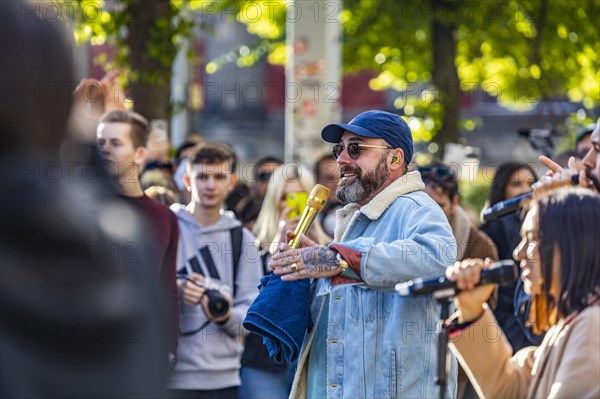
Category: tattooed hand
[308,262]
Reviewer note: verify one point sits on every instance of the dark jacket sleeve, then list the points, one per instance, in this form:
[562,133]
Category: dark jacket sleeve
[168,278]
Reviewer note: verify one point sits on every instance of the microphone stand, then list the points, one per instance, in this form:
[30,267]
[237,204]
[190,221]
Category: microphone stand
[444,298]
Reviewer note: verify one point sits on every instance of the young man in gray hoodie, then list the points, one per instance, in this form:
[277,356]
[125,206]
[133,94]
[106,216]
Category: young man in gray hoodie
[216,252]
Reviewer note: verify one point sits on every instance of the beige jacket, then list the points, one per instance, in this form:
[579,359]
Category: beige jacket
[565,365]
[470,241]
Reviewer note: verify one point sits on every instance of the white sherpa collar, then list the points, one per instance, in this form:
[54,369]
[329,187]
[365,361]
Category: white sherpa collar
[408,183]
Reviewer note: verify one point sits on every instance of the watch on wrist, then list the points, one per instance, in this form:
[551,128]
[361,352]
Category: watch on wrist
[343,265]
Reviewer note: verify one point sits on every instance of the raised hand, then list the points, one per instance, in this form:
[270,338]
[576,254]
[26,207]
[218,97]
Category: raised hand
[469,302]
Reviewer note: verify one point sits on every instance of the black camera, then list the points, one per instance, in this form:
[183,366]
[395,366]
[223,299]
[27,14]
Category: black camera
[217,304]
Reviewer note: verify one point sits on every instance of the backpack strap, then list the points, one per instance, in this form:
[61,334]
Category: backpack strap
[236,243]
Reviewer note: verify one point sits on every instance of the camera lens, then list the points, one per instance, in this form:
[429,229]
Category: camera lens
[217,304]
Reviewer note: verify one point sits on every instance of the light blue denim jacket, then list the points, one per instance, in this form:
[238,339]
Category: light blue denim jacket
[381,345]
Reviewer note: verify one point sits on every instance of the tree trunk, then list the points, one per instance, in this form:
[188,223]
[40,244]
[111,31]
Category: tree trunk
[536,50]
[151,96]
[444,73]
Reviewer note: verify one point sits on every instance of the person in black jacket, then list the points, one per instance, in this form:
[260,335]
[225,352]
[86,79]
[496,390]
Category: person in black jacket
[511,179]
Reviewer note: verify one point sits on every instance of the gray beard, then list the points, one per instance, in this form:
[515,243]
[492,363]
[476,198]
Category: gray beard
[363,185]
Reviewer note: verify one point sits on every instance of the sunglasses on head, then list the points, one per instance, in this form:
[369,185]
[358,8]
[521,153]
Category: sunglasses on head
[440,171]
[354,149]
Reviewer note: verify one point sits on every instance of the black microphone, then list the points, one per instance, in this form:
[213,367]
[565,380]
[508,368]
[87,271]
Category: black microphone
[504,208]
[512,205]
[503,272]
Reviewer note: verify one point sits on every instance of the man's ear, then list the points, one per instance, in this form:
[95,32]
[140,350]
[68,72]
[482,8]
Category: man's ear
[141,153]
[234,179]
[232,183]
[397,160]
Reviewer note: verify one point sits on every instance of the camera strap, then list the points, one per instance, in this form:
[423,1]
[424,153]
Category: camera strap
[196,331]
[236,244]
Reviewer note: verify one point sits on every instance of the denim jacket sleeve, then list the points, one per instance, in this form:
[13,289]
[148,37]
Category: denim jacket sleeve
[411,239]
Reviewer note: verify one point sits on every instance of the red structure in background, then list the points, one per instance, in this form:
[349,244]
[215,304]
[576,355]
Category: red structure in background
[97,71]
[356,92]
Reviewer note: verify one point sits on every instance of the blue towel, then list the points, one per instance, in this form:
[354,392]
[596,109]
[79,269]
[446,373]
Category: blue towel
[281,315]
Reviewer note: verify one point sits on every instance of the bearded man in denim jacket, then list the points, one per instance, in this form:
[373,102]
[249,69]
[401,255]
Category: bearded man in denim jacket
[367,341]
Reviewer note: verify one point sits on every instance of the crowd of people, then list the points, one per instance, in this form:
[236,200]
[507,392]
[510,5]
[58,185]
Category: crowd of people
[137,282]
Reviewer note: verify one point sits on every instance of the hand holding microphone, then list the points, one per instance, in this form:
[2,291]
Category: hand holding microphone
[470,281]
[469,301]
[312,261]
[558,176]
[315,203]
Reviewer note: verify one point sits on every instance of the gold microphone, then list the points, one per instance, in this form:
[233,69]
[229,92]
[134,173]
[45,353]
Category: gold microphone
[315,203]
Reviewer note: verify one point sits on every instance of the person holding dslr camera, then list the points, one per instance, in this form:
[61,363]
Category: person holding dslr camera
[219,268]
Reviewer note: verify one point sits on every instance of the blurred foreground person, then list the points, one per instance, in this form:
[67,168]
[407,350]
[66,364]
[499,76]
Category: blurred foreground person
[79,314]
[560,258]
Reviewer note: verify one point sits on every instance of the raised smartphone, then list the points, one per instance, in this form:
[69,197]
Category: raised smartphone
[296,201]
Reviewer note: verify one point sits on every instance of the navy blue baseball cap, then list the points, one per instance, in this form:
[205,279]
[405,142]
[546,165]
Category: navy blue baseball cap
[376,124]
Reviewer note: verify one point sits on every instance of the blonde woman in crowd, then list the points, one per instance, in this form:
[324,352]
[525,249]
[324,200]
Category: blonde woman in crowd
[261,376]
[273,221]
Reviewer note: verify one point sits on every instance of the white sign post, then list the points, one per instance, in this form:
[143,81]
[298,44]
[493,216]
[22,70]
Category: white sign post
[313,70]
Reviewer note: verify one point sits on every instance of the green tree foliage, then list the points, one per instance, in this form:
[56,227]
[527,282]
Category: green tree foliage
[431,52]
[144,35]
[519,52]
[474,192]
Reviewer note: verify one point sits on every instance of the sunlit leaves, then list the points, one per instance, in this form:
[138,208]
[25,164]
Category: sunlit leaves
[521,52]
[513,50]
[99,22]
[263,18]
[278,53]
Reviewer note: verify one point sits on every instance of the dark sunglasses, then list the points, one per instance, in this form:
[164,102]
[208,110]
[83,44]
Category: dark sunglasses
[264,176]
[354,149]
